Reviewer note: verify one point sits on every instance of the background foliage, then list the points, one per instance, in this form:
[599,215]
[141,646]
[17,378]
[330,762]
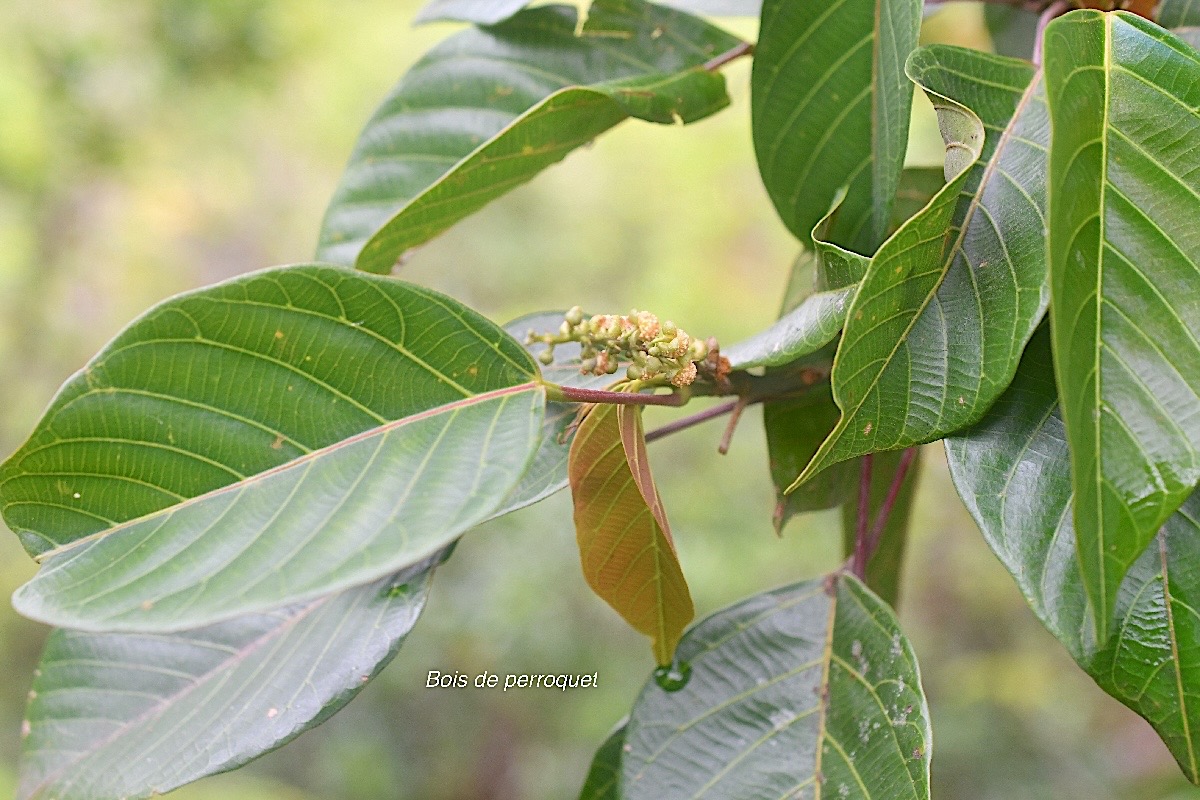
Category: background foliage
[151,147]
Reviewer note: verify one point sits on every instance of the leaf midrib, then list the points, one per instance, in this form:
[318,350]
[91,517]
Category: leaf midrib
[449,408]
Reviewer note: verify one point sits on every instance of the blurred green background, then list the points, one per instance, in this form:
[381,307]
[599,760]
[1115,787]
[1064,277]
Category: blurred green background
[155,146]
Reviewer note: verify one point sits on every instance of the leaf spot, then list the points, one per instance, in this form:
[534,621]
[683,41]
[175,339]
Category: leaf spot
[147,605]
[278,443]
[272,713]
[867,429]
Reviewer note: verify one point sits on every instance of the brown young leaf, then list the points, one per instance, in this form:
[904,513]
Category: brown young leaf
[625,544]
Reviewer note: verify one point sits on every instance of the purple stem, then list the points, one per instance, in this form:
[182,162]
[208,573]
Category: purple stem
[858,562]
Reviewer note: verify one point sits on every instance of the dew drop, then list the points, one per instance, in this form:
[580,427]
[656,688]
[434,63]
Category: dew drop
[674,677]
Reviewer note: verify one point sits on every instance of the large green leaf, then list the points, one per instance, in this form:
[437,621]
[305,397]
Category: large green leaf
[810,326]
[1013,473]
[830,106]
[1178,13]
[625,545]
[806,691]
[936,330]
[277,437]
[491,107]
[1124,267]
[604,777]
[119,715]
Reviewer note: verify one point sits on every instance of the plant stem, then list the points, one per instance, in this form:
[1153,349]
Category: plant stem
[574,394]
[743,49]
[858,561]
[889,502]
[684,423]
[727,437]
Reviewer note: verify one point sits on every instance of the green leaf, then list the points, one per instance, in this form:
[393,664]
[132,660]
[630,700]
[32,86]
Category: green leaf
[547,473]
[830,105]
[917,187]
[936,330]
[175,495]
[604,777]
[1179,13]
[806,691]
[796,427]
[625,544]
[1013,472]
[813,324]
[1013,29]
[491,107]
[886,563]
[1124,266]
[118,715]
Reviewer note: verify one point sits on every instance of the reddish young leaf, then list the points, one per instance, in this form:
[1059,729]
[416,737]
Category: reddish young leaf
[625,544]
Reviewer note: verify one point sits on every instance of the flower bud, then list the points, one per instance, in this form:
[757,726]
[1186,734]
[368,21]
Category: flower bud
[685,376]
[546,356]
[634,372]
[699,350]
[574,316]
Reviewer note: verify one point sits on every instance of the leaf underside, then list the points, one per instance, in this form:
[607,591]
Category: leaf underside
[176,498]
[115,715]
[802,692]
[625,544]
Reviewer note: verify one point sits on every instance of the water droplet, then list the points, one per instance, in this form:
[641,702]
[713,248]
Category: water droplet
[674,677]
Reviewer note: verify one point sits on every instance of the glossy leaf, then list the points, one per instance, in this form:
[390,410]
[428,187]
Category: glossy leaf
[829,106]
[806,691]
[1012,471]
[885,567]
[1178,13]
[1124,266]
[491,107]
[813,324]
[625,544]
[936,330]
[604,777]
[115,715]
[175,496]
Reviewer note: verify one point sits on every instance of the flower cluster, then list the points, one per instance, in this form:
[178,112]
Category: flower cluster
[657,353]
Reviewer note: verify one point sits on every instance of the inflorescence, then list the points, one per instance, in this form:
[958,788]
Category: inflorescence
[657,353]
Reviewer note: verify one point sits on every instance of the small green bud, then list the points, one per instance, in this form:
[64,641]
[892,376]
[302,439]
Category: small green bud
[588,365]
[653,365]
[574,316]
[668,329]
[699,350]
[634,372]
[546,356]
[611,366]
